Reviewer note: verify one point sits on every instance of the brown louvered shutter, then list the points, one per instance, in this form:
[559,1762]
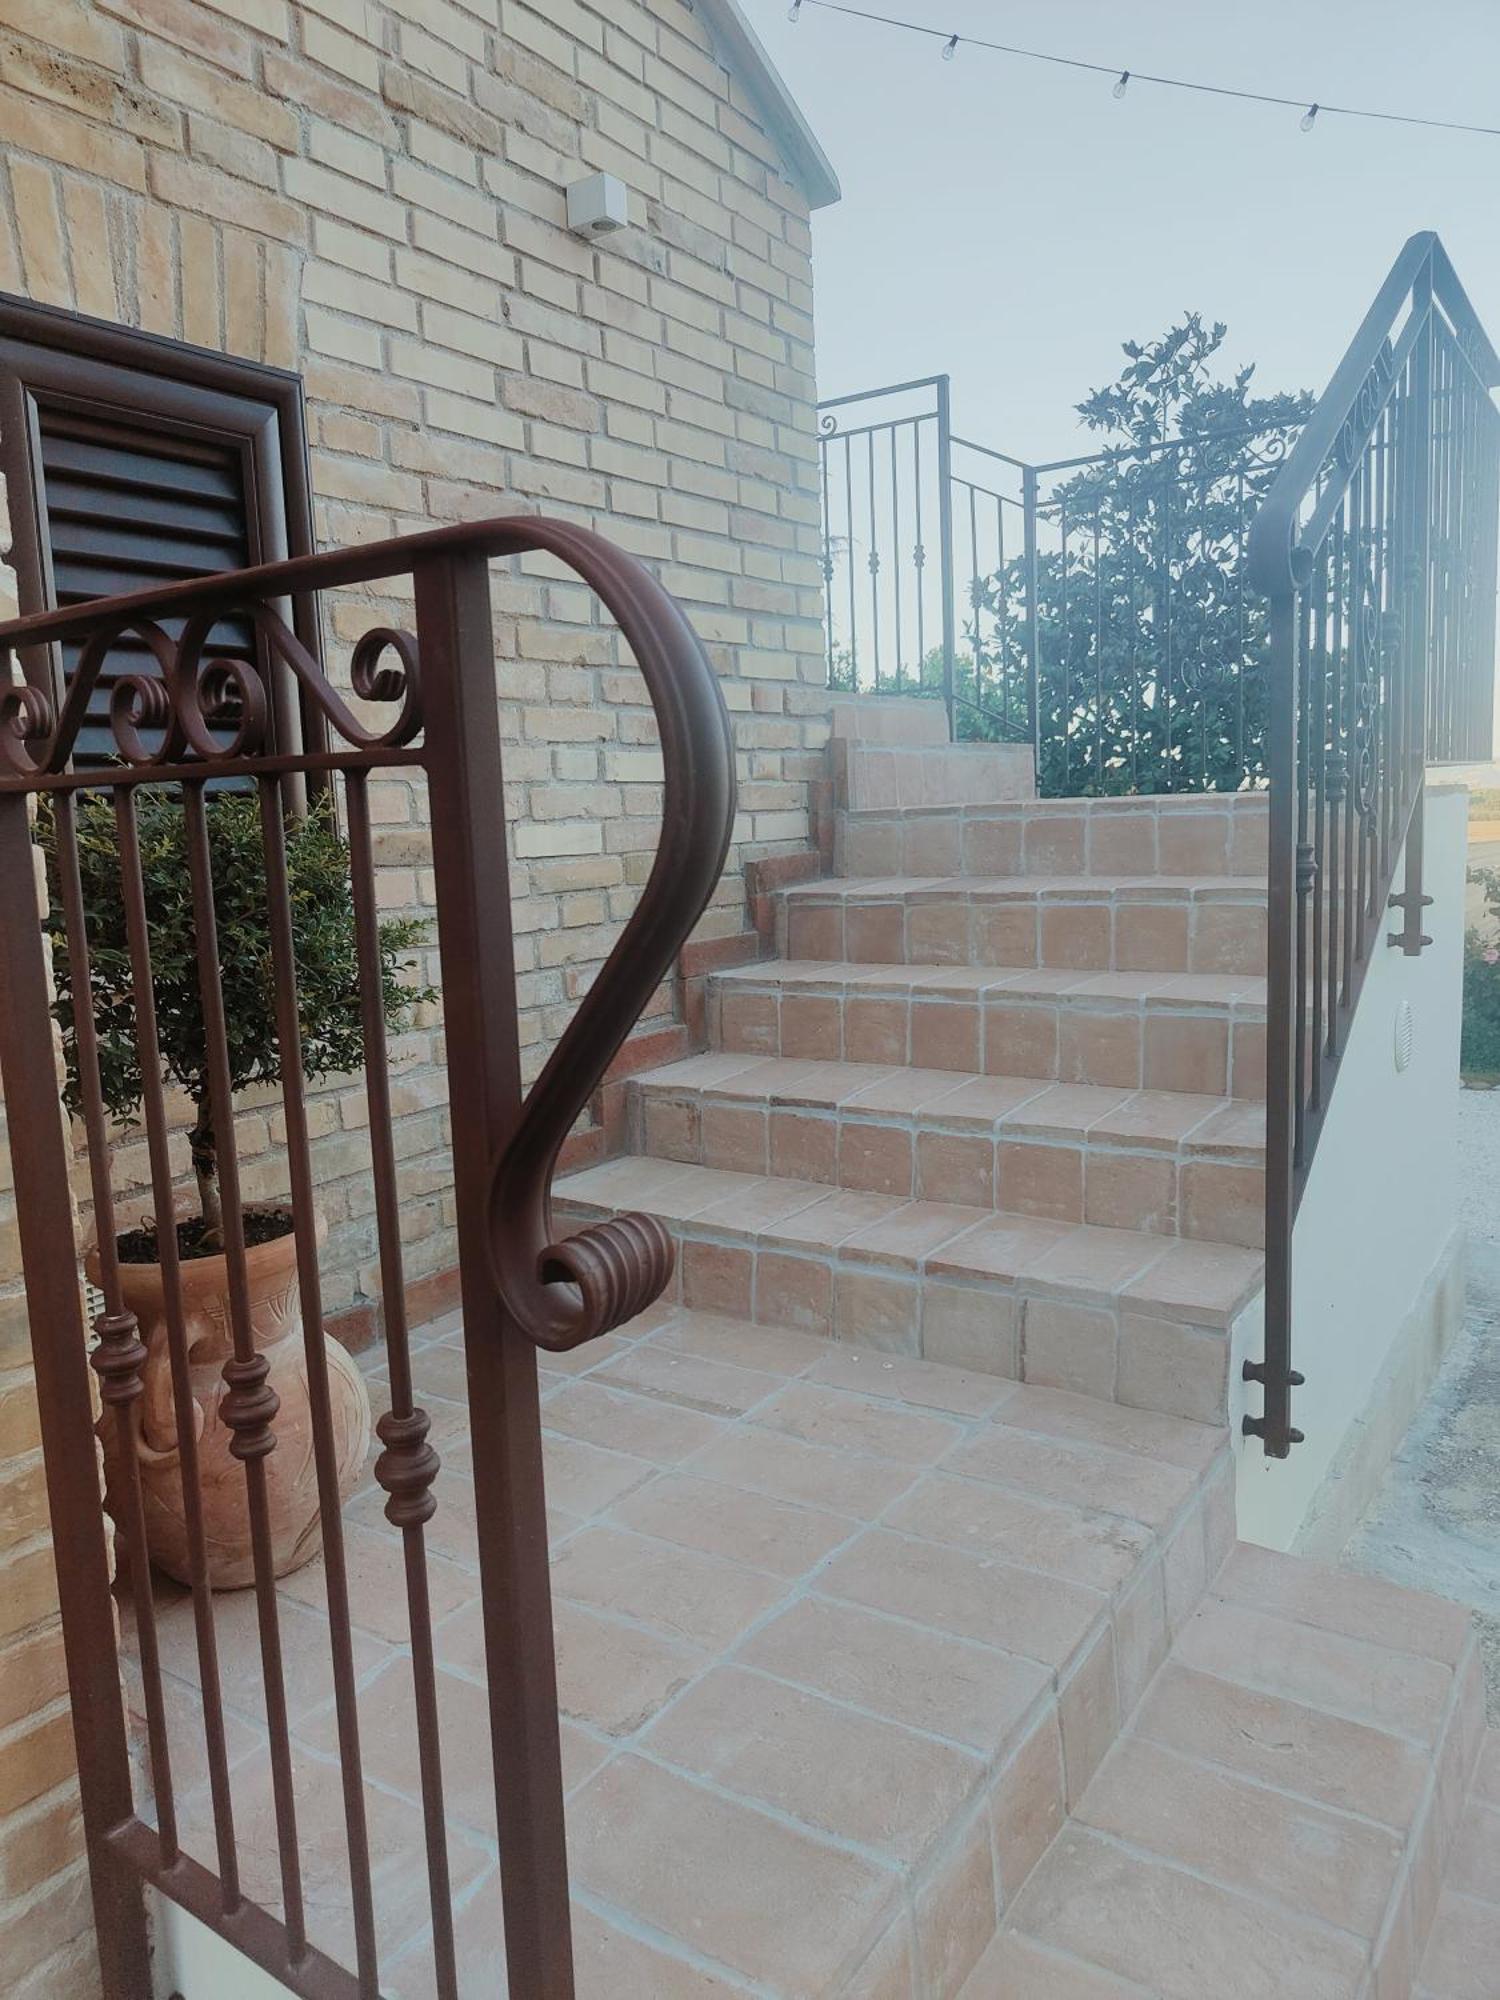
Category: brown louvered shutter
[131,461]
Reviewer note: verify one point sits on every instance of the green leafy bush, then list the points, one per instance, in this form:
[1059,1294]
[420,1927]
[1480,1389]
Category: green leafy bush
[324,943]
[1479,1053]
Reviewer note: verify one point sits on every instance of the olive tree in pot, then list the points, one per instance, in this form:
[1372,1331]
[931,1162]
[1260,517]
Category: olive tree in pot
[331,1043]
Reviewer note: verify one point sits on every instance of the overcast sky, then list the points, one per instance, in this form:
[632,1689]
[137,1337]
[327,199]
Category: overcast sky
[1012,223]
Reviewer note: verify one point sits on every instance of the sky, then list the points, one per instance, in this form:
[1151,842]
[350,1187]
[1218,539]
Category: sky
[1011,223]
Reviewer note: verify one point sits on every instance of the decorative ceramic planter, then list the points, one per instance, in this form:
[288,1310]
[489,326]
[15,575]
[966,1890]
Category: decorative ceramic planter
[290,1470]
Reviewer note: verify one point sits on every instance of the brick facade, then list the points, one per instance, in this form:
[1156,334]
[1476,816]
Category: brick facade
[372,194]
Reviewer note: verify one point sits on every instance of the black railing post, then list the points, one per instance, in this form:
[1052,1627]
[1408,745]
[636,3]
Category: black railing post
[1033,599]
[1286,919]
[1411,901]
[945,548]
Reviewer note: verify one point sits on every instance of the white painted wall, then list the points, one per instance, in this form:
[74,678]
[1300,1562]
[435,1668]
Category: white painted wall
[1376,1227]
[190,1959]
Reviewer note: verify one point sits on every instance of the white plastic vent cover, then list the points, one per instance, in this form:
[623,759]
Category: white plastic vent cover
[1405,1032]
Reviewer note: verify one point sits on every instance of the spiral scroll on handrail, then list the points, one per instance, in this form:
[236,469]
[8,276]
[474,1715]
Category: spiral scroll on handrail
[562,1293]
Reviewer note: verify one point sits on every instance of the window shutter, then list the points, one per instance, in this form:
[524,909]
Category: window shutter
[131,461]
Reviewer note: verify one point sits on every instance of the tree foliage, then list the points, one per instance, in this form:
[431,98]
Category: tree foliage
[324,944]
[1151,648]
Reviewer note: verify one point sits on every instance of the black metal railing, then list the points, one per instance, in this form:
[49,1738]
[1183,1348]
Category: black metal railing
[1095,607]
[1376,551]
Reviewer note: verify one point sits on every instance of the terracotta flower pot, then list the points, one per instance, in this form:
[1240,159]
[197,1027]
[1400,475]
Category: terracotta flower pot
[291,1477]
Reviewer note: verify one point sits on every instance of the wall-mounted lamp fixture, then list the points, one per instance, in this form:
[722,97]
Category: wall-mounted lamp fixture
[597,205]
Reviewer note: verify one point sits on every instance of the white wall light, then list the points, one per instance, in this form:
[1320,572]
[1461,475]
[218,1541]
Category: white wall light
[598,205]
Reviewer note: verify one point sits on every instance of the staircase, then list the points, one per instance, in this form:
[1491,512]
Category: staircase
[968,1195]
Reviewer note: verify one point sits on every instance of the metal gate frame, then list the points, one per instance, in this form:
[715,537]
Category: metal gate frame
[196,719]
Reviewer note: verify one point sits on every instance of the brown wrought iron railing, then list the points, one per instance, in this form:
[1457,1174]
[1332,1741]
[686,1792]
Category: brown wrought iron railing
[1095,607]
[182,725]
[1376,549]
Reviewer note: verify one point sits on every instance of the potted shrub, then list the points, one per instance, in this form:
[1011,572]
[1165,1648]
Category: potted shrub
[327,978]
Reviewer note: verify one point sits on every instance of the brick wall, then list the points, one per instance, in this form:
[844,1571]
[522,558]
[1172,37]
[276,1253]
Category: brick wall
[373,194]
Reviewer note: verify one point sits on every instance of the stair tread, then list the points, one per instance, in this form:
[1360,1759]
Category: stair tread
[1150,888]
[1203,1283]
[965,1101]
[1262,1806]
[1174,991]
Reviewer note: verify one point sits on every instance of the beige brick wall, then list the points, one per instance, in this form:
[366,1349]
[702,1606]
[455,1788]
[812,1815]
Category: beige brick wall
[373,194]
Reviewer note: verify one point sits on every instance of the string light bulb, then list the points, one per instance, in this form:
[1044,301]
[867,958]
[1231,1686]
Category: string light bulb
[1120,87]
[1309,117]
[950,48]
[794,12]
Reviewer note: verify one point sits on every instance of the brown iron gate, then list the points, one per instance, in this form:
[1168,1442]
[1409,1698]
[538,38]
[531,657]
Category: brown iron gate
[185,724]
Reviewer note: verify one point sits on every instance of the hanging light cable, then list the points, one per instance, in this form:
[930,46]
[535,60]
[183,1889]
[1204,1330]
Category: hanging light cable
[1311,111]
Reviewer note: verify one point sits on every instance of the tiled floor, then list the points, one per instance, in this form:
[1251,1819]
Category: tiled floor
[840,1635]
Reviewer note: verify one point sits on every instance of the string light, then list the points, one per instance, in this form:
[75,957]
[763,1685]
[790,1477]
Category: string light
[794,12]
[1310,111]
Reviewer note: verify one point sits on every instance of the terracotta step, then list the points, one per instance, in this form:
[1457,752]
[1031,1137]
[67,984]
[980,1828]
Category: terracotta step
[1096,923]
[1194,1031]
[1217,834]
[1165,1161]
[1116,1314]
[1462,1956]
[1276,1816]
[893,776]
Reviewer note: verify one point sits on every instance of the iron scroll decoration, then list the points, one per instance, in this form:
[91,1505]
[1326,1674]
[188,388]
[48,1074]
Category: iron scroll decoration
[563,1293]
[201,707]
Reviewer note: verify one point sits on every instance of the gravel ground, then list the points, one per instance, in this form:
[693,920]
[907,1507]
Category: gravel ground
[1435,1523]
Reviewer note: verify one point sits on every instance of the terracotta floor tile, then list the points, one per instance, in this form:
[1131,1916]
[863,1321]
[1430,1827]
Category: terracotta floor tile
[397,1851]
[1314,1756]
[689,1379]
[909,1234]
[616,1677]
[837,1771]
[1056,1413]
[827,1222]
[928,1680]
[750,1528]
[375,1563]
[1072,1108]
[766,1349]
[306,1664]
[1339,1600]
[643,1426]
[955,1391]
[1462,1951]
[610,1964]
[1246,1836]
[1051,1468]
[581,1479]
[1158,1118]
[742,1888]
[1077,1544]
[1002,1246]
[1091,1260]
[1395,1692]
[902,1092]
[862,1423]
[1018,1968]
[1177,1936]
[972,1596]
[850,1483]
[688,1596]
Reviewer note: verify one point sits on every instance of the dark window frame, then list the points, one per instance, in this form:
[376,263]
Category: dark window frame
[50,357]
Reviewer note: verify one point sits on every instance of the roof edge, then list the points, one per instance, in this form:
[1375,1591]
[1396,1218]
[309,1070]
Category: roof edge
[820,182]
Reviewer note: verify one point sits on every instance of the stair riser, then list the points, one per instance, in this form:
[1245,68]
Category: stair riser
[1077,1337]
[1218,1054]
[1145,837]
[1063,1178]
[1224,932]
